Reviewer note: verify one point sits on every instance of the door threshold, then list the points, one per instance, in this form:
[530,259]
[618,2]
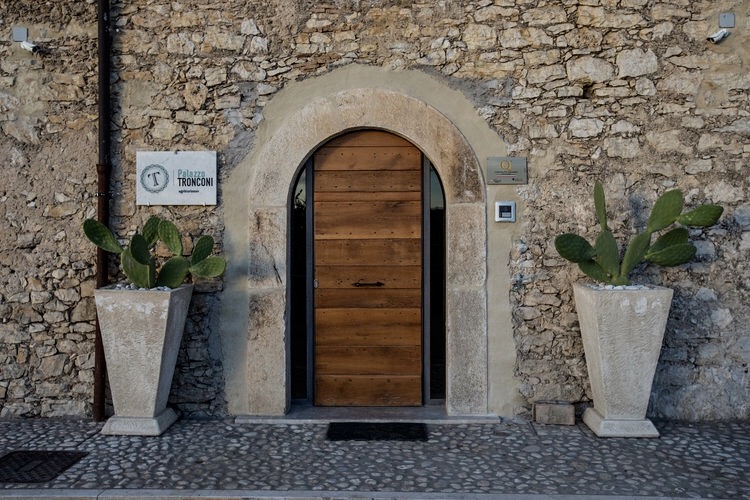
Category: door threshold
[306,414]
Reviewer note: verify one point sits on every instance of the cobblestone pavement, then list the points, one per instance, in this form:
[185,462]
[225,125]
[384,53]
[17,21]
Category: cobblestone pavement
[508,459]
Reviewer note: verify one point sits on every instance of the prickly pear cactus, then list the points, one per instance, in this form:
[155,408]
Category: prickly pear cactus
[602,261]
[138,261]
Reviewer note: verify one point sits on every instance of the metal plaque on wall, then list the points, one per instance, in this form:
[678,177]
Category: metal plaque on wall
[175,178]
[507,170]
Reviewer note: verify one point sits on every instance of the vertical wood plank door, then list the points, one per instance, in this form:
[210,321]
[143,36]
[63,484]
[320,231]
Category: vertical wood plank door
[368,271]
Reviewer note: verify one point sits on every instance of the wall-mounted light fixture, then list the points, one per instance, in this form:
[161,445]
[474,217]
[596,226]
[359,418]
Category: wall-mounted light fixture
[718,36]
[31,47]
[21,34]
[726,20]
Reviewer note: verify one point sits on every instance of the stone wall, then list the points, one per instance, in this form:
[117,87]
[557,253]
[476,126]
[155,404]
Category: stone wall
[625,91]
[48,151]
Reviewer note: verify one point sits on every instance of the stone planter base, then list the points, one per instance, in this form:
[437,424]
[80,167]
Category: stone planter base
[140,426]
[609,427]
[622,332]
[141,334]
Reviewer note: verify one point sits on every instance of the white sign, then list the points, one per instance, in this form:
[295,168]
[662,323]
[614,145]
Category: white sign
[175,178]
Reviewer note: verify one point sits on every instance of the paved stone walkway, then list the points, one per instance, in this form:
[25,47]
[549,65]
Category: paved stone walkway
[506,459]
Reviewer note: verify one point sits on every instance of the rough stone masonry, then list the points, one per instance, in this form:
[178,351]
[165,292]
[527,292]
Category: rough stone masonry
[625,91]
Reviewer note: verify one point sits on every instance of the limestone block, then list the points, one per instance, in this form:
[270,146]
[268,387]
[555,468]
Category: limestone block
[54,317]
[195,95]
[267,266]
[248,71]
[536,298]
[26,314]
[170,102]
[528,313]
[542,57]
[215,76]
[259,45]
[16,410]
[584,38]
[465,257]
[62,210]
[51,366]
[545,74]
[230,101]
[661,30]
[585,127]
[710,141]
[68,408]
[513,38]
[551,14]
[624,127]
[165,130]
[68,296]
[645,87]
[24,130]
[554,412]
[467,343]
[606,18]
[617,92]
[705,250]
[39,297]
[11,334]
[267,358]
[721,317]
[316,24]
[666,141]
[662,11]
[622,147]
[543,130]
[65,92]
[265,89]
[180,43]
[136,120]
[725,192]
[741,126]
[681,82]
[636,62]
[433,58]
[198,132]
[479,36]
[742,216]
[249,27]
[493,12]
[589,69]
[224,41]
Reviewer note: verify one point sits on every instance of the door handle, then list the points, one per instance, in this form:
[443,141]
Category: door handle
[360,283]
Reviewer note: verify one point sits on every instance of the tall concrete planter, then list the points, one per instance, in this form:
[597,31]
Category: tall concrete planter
[141,335]
[622,331]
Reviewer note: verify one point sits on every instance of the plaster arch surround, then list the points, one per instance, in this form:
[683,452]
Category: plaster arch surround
[254,318]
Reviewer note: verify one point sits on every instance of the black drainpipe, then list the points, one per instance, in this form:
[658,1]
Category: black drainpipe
[103,169]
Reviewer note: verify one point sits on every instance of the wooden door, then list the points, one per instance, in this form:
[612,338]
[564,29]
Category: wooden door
[368,271]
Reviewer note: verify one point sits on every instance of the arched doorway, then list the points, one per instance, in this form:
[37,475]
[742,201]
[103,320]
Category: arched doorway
[254,315]
[367,271]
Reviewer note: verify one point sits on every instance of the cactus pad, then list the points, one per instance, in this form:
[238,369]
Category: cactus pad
[602,262]
[139,264]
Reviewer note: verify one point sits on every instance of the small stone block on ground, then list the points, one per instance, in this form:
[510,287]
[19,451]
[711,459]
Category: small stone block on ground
[554,413]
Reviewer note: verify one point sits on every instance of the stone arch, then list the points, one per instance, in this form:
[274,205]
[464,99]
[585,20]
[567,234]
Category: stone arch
[256,199]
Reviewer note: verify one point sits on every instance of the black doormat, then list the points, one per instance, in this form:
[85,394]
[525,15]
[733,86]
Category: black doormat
[377,431]
[36,466]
